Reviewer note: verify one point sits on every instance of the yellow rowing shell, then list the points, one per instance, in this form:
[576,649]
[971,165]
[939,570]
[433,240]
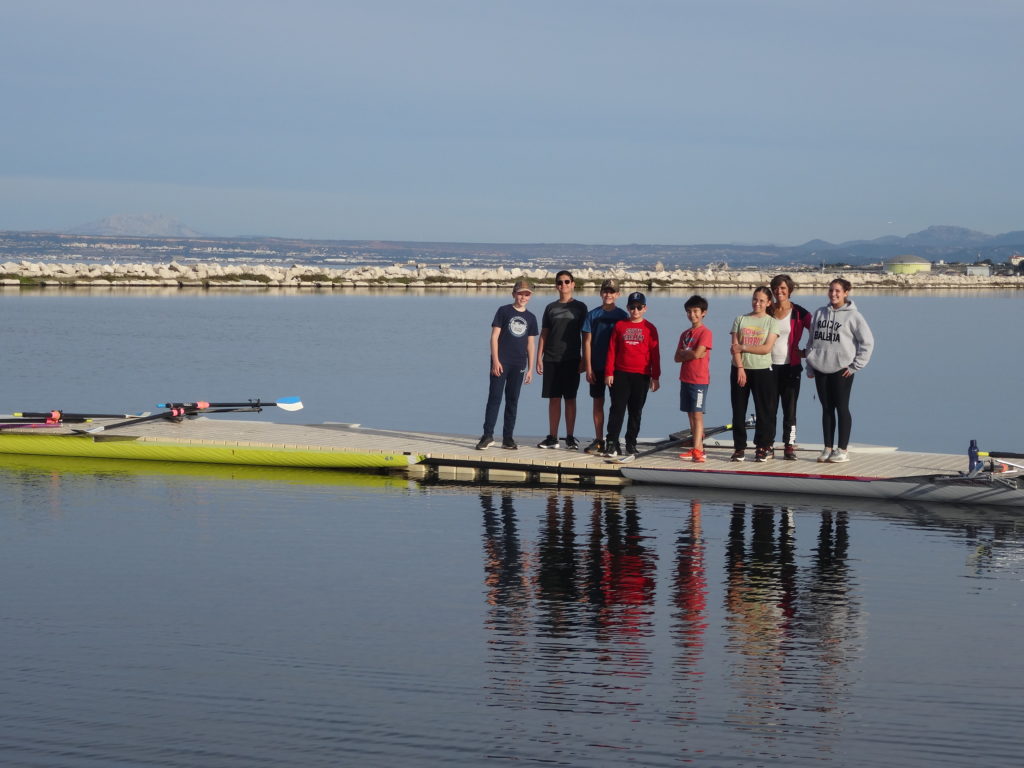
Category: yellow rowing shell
[110,447]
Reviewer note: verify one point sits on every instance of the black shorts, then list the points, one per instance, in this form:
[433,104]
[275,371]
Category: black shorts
[600,390]
[561,379]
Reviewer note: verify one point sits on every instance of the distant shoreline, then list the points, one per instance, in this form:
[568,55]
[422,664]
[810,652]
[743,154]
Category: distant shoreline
[44,275]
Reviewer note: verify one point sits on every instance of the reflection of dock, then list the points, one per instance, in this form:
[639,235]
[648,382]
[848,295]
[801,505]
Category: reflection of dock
[872,472]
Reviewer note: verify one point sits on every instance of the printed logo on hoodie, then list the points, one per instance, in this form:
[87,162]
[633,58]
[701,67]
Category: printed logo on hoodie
[827,330]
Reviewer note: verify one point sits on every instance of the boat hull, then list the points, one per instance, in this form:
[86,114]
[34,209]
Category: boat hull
[87,446]
[927,488]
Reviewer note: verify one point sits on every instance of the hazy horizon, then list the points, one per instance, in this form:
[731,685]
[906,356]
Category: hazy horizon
[580,121]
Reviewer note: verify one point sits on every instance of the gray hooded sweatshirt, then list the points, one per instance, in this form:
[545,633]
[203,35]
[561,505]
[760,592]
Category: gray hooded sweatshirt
[840,338]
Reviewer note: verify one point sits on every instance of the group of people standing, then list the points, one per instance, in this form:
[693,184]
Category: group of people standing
[618,350]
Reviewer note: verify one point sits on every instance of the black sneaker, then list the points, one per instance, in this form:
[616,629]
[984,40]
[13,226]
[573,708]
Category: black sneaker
[485,442]
[509,444]
[627,455]
[571,443]
[739,455]
[761,454]
[596,447]
[790,454]
[613,449]
[548,442]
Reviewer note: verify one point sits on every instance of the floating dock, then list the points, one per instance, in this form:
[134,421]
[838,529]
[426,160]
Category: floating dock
[873,471]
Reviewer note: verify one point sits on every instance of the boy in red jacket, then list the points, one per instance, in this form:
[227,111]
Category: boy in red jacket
[633,368]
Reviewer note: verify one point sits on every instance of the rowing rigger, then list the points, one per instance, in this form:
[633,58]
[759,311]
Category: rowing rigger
[180,411]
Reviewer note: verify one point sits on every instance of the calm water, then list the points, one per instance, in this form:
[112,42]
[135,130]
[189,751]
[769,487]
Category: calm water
[211,617]
[198,616]
[942,373]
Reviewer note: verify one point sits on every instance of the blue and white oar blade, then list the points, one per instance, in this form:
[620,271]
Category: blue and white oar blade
[289,403]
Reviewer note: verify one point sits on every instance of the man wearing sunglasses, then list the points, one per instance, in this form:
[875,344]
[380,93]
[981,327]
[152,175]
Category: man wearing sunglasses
[559,359]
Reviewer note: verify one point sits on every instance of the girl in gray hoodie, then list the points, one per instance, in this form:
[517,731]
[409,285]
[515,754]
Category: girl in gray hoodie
[840,345]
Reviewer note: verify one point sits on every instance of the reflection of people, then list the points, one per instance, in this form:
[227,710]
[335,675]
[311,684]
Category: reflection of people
[513,334]
[786,357]
[559,361]
[597,330]
[633,367]
[753,336]
[841,344]
[556,558]
[694,355]
[691,589]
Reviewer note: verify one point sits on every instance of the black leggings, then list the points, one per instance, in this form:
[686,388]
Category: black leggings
[787,379]
[760,384]
[834,395]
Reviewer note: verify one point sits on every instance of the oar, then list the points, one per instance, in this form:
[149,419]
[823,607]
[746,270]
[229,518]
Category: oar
[286,403]
[676,439]
[1001,454]
[43,420]
[173,413]
[1004,455]
[32,425]
[178,411]
[64,416]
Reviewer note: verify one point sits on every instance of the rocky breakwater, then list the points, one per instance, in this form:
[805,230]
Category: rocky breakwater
[26,274]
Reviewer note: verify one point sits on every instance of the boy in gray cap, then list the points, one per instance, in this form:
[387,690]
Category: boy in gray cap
[513,351]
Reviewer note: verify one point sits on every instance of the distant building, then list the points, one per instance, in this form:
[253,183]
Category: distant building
[906,265]
[1016,259]
[979,270]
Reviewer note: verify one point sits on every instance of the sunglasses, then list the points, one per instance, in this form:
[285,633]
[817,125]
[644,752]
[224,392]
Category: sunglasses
[609,290]
[631,307]
[563,282]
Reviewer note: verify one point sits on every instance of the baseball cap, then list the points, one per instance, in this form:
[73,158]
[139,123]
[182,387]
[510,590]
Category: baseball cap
[611,284]
[522,285]
[636,298]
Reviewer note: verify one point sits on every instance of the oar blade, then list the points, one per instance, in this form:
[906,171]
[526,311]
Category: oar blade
[289,403]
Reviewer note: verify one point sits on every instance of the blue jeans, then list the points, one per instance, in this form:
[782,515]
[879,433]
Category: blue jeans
[509,383]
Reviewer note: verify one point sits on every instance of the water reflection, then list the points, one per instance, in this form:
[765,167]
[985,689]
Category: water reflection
[690,615]
[573,622]
[571,611]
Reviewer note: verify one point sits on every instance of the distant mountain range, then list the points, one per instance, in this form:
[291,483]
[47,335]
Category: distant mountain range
[153,236]
[135,225]
[934,243]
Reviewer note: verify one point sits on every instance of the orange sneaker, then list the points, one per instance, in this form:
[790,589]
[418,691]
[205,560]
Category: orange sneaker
[687,454]
[698,456]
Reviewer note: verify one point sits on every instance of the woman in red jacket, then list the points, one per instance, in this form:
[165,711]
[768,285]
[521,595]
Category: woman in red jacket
[787,356]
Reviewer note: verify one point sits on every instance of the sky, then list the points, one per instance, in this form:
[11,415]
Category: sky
[584,121]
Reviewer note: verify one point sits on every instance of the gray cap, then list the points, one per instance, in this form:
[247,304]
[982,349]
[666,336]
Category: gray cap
[522,284]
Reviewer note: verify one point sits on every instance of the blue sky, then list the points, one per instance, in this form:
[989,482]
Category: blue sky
[651,121]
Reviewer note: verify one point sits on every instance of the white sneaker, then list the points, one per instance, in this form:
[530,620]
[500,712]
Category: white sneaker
[838,456]
[825,456]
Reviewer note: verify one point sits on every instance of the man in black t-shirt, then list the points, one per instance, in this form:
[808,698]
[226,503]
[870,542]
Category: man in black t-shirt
[560,360]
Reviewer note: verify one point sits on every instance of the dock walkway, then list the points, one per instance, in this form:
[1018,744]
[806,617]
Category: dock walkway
[453,457]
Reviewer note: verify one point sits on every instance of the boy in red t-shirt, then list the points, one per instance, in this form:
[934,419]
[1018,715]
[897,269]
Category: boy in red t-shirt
[694,354]
[633,367]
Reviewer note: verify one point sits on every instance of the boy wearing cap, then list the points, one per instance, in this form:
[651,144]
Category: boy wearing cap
[559,360]
[513,351]
[633,367]
[597,331]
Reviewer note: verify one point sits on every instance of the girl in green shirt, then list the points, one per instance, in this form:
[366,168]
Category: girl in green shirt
[753,336]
